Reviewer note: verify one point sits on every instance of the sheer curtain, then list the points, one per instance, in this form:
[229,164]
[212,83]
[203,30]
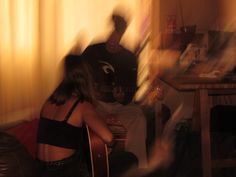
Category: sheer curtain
[34,37]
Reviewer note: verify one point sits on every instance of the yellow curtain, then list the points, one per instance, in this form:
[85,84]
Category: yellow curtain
[34,37]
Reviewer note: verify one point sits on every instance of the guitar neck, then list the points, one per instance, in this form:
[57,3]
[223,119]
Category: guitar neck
[97,155]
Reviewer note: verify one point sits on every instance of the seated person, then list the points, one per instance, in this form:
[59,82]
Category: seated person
[115,72]
[60,138]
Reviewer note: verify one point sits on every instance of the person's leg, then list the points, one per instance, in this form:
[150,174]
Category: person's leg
[121,162]
[133,119]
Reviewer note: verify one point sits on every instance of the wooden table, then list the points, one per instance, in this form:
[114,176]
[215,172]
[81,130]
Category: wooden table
[204,88]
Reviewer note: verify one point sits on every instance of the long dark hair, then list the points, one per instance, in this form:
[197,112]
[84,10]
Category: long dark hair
[77,81]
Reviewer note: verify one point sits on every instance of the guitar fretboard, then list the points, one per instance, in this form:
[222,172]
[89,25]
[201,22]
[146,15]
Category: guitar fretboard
[116,127]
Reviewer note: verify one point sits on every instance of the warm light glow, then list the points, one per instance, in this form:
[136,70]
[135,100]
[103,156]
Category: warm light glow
[36,34]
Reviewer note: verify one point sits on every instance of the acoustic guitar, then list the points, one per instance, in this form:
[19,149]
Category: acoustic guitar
[96,154]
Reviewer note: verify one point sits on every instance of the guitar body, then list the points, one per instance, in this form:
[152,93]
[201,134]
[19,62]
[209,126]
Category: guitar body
[97,156]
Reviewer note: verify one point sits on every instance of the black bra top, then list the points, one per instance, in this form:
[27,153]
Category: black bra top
[59,133]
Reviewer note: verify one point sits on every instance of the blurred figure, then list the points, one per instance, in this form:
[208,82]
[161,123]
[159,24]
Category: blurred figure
[115,72]
[60,138]
[15,160]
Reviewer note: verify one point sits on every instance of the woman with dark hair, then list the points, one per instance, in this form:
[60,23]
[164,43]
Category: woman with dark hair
[60,137]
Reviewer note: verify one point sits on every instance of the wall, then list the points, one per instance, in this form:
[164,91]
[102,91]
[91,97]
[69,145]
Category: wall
[35,35]
[202,13]
[227,15]
[206,14]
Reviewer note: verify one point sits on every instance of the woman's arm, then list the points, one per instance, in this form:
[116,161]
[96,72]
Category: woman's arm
[95,122]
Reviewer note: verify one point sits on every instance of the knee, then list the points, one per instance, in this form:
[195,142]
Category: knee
[123,159]
[131,159]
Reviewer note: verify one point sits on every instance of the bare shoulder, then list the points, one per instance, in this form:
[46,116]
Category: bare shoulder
[87,106]
[88,111]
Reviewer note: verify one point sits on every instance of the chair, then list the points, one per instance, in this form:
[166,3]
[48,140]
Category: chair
[223,121]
